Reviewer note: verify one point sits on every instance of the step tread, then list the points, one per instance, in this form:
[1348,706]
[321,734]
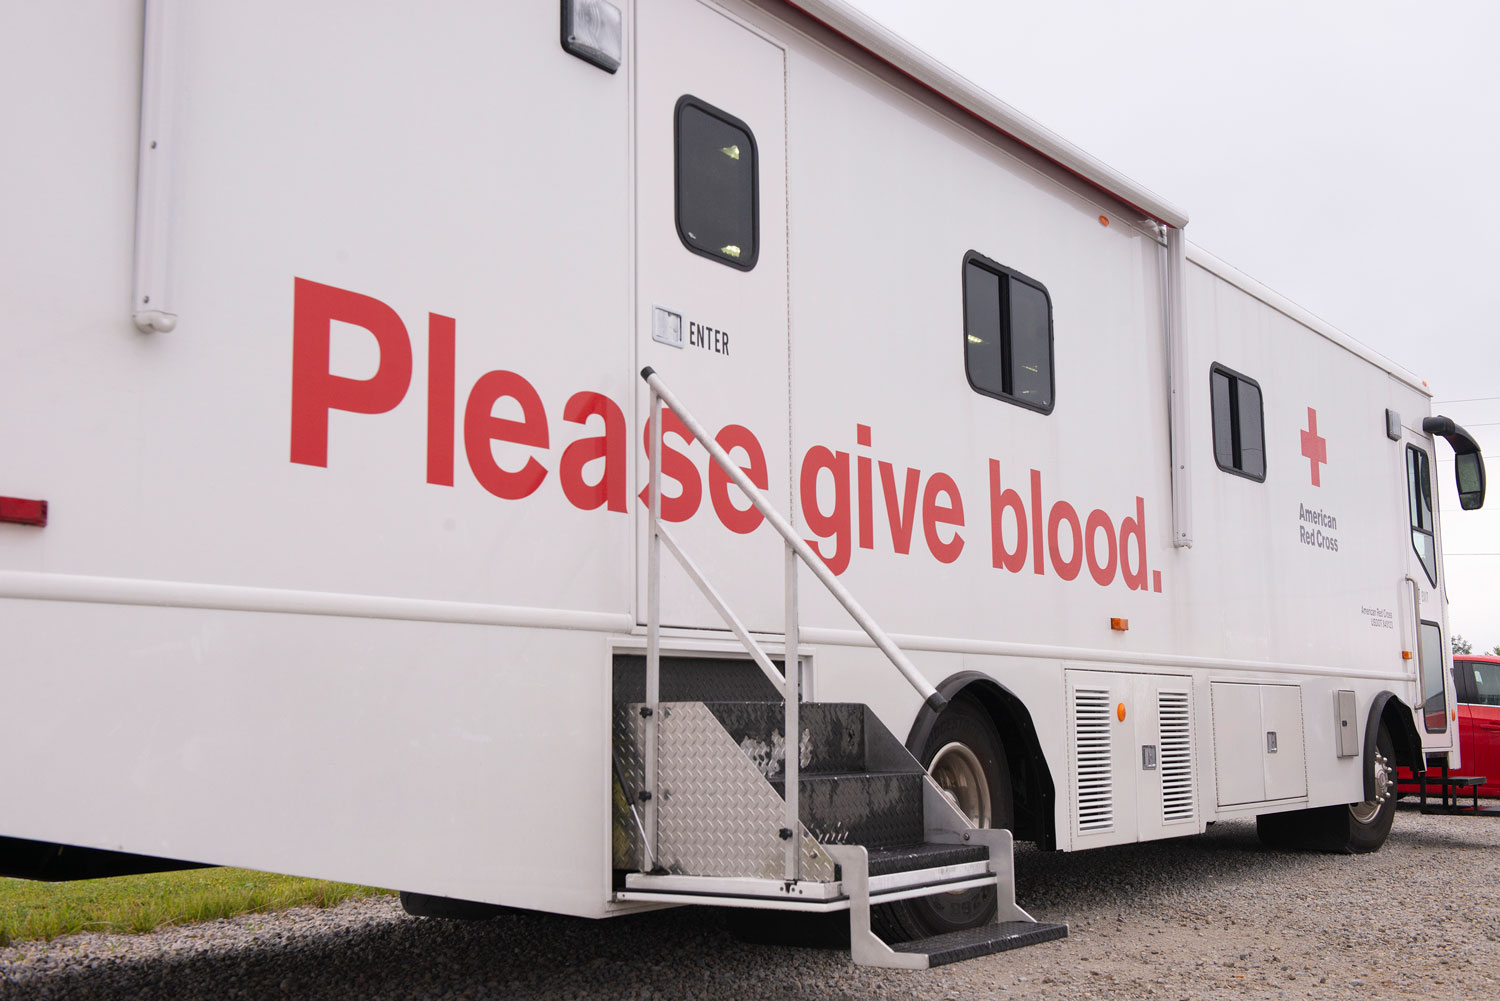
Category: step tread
[848,775]
[907,858]
[955,946]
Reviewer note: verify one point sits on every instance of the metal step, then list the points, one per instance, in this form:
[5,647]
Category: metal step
[833,735]
[908,858]
[1011,929]
[971,943]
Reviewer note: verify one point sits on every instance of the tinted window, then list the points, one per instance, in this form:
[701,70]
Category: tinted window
[1419,504]
[1030,344]
[1221,390]
[1239,423]
[1252,443]
[717,178]
[982,327]
[1434,701]
[1007,334]
[1486,683]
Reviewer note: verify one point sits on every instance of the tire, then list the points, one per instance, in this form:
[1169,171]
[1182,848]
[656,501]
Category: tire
[1369,823]
[964,746]
[1353,829]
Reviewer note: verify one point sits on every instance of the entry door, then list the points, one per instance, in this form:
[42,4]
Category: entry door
[712,313]
[1423,631]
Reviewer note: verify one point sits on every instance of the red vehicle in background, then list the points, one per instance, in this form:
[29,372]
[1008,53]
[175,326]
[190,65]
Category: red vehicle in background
[1476,679]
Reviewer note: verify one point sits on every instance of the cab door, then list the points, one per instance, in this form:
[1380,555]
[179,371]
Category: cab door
[711,298]
[1479,720]
[1424,644]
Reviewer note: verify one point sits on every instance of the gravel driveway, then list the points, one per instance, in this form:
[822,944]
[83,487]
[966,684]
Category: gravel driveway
[1208,917]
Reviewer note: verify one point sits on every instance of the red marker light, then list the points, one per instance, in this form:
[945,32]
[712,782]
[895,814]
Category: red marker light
[17,511]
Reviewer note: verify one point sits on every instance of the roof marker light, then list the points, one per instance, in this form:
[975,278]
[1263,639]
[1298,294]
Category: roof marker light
[592,31]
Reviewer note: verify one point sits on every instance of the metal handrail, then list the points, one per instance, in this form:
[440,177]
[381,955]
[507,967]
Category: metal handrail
[790,684]
[872,629]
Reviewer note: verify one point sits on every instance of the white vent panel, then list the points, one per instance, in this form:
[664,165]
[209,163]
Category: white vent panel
[1175,719]
[1093,761]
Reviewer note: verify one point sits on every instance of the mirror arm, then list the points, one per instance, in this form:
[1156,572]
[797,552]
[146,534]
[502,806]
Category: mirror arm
[1444,427]
[1464,446]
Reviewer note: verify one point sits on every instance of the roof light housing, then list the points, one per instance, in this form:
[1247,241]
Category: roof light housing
[593,31]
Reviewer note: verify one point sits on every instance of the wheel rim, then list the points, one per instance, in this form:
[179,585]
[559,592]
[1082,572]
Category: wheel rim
[957,771]
[1366,811]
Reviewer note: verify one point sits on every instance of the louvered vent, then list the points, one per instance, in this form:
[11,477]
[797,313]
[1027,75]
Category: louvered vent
[1175,718]
[1094,762]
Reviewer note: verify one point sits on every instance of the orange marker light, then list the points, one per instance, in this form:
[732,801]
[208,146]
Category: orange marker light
[1120,712]
[1104,220]
[1119,625]
[1406,655]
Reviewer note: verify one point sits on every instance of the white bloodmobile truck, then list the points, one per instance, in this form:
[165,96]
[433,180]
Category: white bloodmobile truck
[328,543]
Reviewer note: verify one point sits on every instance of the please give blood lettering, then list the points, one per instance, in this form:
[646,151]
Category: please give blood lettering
[839,490]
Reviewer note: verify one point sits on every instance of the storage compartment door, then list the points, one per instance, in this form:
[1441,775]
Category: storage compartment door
[1284,758]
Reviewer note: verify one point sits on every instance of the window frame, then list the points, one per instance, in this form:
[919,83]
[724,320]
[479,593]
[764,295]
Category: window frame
[689,101]
[1234,403]
[1007,274]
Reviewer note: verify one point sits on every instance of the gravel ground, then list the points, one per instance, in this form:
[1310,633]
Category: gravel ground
[1208,917]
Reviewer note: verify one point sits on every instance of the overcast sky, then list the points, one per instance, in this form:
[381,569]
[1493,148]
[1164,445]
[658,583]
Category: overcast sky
[1344,153]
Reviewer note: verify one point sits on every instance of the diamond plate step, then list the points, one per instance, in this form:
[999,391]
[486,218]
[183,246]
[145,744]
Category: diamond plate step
[909,858]
[874,809]
[971,943]
[833,735]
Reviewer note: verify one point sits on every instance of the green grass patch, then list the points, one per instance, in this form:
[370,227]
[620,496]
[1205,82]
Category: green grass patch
[31,910]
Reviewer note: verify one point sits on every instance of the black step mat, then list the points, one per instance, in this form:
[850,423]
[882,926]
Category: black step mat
[970,943]
[908,858]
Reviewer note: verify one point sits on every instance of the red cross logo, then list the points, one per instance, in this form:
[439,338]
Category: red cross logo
[1314,445]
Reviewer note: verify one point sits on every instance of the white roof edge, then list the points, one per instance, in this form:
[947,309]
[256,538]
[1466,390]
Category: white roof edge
[1282,304]
[890,47]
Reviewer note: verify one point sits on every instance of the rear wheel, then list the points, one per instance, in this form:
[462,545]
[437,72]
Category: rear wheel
[966,758]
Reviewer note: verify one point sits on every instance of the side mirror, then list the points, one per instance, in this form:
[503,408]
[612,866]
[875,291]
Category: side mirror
[1468,463]
[1468,467]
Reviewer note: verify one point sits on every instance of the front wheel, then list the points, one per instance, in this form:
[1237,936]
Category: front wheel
[965,756]
[1370,821]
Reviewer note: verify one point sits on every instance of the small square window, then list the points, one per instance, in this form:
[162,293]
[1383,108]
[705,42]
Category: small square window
[1239,423]
[1007,334]
[717,199]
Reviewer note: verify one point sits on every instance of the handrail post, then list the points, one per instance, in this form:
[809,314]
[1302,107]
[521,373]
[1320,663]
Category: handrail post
[930,695]
[653,636]
[792,667]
